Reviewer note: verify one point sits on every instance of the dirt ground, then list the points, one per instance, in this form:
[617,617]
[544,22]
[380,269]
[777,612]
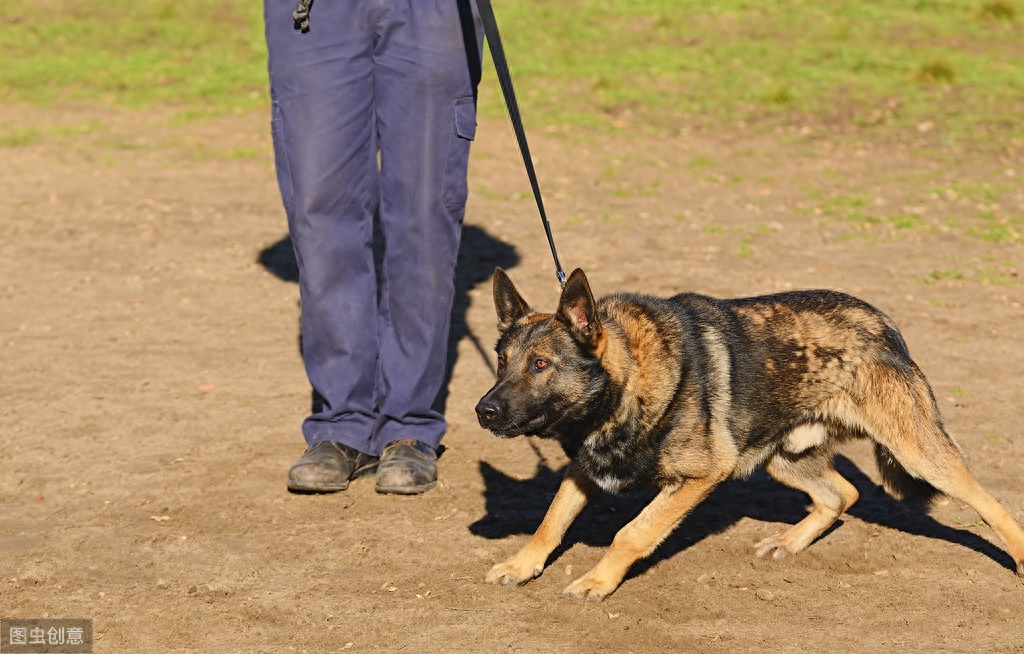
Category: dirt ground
[152,392]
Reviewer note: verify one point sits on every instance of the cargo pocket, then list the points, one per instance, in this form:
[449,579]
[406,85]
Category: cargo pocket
[456,187]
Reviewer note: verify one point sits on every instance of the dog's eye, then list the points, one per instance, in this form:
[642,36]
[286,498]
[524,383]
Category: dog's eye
[540,364]
[501,361]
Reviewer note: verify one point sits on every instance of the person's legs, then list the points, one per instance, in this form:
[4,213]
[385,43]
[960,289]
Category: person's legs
[398,76]
[426,68]
[325,146]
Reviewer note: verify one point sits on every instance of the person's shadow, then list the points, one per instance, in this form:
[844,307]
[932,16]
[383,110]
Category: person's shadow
[515,507]
[479,254]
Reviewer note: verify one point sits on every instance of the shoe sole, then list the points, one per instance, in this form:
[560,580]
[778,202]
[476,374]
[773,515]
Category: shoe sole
[406,490]
[316,488]
[298,487]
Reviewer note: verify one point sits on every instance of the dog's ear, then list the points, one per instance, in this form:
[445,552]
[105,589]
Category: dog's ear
[577,309]
[508,303]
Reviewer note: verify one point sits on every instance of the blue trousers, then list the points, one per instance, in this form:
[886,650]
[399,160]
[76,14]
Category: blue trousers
[373,111]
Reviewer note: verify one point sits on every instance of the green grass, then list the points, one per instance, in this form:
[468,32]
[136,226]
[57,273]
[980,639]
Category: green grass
[745,249]
[198,56]
[13,137]
[867,218]
[662,63]
[939,275]
[19,136]
[656,65]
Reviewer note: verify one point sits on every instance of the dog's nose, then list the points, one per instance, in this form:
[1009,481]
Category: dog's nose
[487,412]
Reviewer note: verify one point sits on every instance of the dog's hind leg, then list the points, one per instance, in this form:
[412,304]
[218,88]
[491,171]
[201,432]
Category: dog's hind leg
[957,482]
[905,422]
[930,455]
[812,473]
[529,562]
[641,536]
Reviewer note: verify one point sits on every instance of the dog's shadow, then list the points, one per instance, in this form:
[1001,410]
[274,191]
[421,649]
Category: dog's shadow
[517,507]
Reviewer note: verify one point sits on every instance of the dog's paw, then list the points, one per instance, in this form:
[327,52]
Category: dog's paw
[778,546]
[513,573]
[589,588]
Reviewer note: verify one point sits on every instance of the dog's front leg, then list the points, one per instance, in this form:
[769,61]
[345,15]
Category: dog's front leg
[529,562]
[640,537]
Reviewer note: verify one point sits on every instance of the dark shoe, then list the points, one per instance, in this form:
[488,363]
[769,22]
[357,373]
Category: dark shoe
[407,467]
[327,467]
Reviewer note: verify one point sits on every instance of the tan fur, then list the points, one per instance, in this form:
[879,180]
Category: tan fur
[818,367]
[529,562]
[641,536]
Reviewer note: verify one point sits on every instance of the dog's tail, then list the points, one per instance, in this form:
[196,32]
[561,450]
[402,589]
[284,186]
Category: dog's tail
[898,482]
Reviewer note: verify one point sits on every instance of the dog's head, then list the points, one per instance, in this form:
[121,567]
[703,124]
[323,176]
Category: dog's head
[549,367]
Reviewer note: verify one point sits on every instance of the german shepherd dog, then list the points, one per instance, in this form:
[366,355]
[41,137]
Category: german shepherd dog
[676,395]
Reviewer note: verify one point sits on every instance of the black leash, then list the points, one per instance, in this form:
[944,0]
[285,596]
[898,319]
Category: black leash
[505,80]
[490,25]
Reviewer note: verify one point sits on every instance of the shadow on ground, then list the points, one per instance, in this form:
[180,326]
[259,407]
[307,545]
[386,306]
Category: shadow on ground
[479,254]
[517,507]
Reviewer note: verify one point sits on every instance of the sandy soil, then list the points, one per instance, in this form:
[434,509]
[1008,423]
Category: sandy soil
[152,392]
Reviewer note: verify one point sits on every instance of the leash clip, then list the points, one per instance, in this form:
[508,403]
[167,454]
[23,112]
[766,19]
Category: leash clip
[301,15]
